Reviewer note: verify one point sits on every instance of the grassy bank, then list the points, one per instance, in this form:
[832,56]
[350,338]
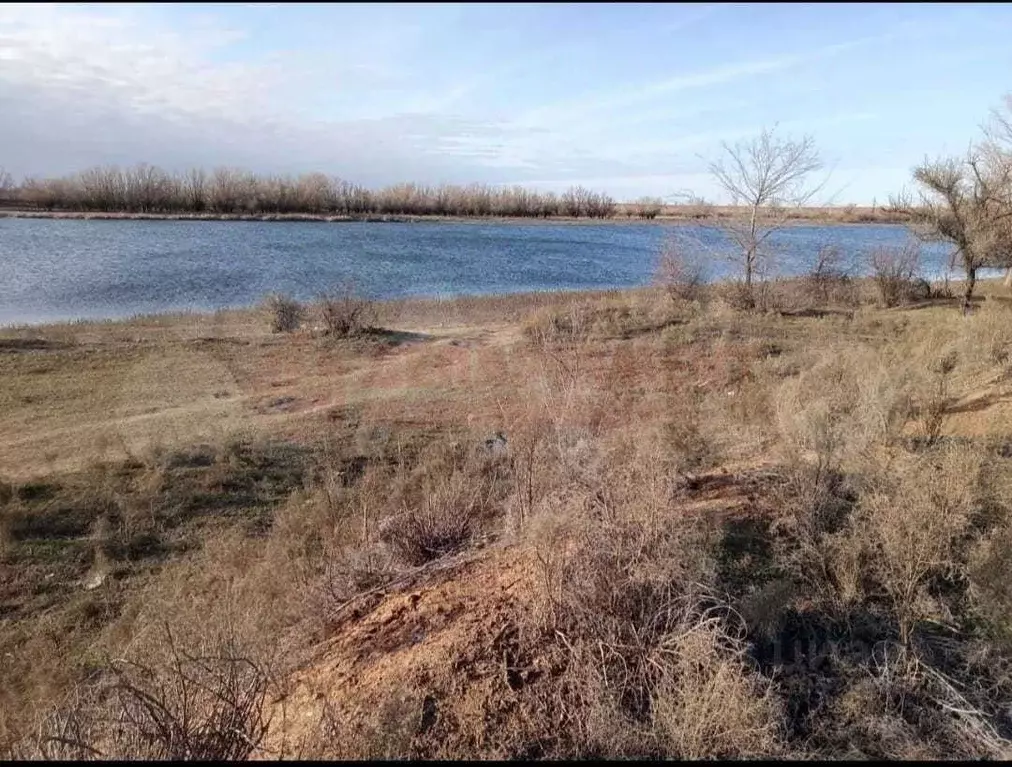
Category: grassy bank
[628,523]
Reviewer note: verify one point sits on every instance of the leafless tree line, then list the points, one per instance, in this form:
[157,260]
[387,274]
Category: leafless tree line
[149,189]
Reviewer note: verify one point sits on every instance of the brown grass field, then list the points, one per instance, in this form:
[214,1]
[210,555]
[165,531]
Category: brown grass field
[702,532]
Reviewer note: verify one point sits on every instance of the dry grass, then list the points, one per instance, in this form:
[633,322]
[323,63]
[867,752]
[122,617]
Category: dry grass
[554,525]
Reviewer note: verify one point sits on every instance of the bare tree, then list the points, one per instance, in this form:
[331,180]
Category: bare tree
[6,184]
[766,174]
[968,203]
[999,139]
[194,190]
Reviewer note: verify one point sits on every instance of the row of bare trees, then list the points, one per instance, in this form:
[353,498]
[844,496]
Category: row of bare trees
[149,189]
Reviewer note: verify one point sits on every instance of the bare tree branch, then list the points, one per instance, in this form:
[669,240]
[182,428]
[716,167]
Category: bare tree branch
[767,175]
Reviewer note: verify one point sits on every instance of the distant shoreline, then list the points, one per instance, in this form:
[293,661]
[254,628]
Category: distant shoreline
[815,216]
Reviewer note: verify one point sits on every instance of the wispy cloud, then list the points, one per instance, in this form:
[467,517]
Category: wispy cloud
[597,103]
[525,93]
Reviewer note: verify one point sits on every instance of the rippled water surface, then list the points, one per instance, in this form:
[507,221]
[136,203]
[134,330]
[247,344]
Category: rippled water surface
[69,269]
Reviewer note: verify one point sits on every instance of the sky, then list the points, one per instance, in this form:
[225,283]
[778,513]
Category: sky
[628,99]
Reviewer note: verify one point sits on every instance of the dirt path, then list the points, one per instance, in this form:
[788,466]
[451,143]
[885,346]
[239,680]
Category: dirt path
[187,393]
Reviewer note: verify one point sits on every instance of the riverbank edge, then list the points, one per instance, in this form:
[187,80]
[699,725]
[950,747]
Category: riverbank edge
[988,288]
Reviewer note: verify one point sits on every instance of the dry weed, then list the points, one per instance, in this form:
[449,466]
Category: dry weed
[913,518]
[285,314]
[709,705]
[683,277]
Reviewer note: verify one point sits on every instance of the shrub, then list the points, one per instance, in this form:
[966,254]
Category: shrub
[194,707]
[453,504]
[847,402]
[285,313]
[895,274]
[548,327]
[681,275]
[914,518]
[990,587]
[737,295]
[648,663]
[828,281]
[709,705]
[935,404]
[648,207]
[345,313]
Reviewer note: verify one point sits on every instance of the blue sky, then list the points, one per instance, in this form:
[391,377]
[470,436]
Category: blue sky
[629,99]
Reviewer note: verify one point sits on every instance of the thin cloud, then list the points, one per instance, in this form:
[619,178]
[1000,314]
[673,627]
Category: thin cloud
[446,93]
[603,103]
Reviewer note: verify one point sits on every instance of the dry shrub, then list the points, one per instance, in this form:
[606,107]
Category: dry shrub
[896,536]
[442,525]
[737,295]
[914,518]
[624,319]
[710,705]
[649,655]
[766,295]
[934,404]
[535,464]
[829,282]
[345,313]
[887,715]
[562,340]
[207,705]
[985,338]
[850,400]
[550,326]
[586,321]
[815,541]
[326,538]
[687,432]
[455,502]
[683,277]
[285,314]
[835,418]
[895,274]
[990,587]
[990,590]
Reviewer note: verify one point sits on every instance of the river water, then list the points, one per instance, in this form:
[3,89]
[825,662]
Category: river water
[56,270]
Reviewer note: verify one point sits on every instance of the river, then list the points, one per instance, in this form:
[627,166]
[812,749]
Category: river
[55,270]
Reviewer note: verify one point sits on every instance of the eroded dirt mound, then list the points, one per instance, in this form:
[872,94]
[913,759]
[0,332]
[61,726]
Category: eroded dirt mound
[429,668]
[451,661]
